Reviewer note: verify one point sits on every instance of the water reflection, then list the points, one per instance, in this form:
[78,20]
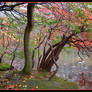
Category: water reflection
[71,65]
[71,72]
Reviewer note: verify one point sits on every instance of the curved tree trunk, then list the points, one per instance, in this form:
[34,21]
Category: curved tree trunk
[28,65]
[47,60]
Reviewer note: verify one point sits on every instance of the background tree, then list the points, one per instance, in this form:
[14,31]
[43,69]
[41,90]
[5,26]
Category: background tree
[12,23]
[28,65]
[67,22]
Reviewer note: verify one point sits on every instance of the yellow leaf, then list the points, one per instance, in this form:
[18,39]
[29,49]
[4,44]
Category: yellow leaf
[25,86]
[47,30]
[20,85]
[10,86]
[14,75]
[36,87]
[24,81]
[25,78]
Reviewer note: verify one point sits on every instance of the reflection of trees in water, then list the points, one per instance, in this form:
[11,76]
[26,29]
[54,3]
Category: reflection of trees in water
[70,70]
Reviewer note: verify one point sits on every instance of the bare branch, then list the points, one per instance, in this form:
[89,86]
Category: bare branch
[14,52]
[53,57]
[9,7]
[34,51]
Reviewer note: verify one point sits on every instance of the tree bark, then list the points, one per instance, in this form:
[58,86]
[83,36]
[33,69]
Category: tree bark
[47,61]
[28,65]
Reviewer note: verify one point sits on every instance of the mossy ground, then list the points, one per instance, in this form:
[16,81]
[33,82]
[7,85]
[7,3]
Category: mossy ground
[37,80]
[4,66]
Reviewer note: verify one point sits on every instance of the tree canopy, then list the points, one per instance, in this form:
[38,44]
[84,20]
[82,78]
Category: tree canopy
[55,25]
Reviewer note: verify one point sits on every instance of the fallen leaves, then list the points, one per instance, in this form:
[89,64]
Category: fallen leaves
[19,81]
[14,75]
[19,85]
[24,81]
[10,86]
[36,86]
[14,87]
[3,80]
[25,86]
[41,77]
[30,76]
[25,78]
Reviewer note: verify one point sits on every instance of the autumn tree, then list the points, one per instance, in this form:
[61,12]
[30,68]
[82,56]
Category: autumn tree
[60,24]
[10,30]
[11,8]
[67,22]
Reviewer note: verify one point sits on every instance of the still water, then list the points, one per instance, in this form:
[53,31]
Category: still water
[70,65]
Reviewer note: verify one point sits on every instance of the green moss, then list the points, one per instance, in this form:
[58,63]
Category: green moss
[40,81]
[4,66]
[38,74]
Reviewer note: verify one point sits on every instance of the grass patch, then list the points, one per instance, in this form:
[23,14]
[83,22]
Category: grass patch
[4,66]
[56,83]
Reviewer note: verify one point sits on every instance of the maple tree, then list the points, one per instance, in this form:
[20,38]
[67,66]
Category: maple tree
[70,23]
[60,25]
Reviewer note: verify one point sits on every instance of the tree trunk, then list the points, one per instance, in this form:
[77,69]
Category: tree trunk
[47,61]
[0,59]
[28,65]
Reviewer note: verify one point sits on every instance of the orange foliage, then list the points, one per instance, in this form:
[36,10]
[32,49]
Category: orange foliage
[75,19]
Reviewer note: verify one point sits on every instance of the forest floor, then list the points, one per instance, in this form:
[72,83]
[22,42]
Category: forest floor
[36,80]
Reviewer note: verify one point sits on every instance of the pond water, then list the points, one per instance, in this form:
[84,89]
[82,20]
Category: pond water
[70,66]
